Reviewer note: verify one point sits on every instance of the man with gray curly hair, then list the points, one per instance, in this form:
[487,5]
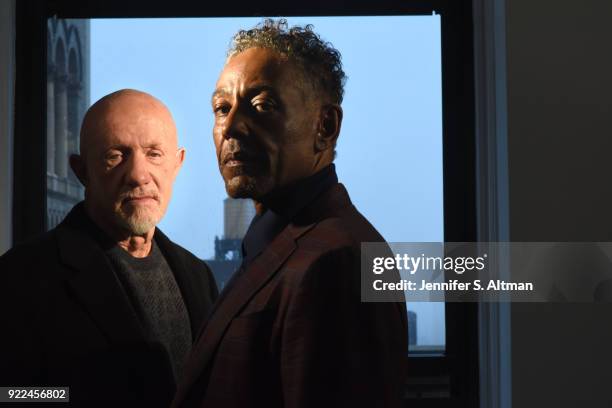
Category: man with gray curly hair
[289,329]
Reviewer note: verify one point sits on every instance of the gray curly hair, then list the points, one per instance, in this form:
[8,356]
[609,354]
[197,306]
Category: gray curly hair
[319,60]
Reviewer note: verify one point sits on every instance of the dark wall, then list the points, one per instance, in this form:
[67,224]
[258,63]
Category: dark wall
[560,119]
[559,66]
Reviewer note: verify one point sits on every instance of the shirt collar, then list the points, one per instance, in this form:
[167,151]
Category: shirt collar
[282,205]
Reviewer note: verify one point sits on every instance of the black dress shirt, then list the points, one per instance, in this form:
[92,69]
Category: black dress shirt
[282,206]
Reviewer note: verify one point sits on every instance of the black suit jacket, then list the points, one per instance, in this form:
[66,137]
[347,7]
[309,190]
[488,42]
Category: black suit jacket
[66,320]
[292,332]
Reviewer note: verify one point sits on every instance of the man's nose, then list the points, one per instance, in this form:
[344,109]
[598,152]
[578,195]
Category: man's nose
[235,124]
[137,172]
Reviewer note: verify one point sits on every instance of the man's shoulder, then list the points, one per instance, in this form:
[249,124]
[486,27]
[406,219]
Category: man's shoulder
[333,242]
[28,270]
[348,229]
[336,221]
[195,270]
[189,258]
[185,256]
[193,266]
[41,249]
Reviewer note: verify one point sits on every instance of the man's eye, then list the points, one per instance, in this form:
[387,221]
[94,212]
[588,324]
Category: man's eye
[263,107]
[221,110]
[113,158]
[155,155]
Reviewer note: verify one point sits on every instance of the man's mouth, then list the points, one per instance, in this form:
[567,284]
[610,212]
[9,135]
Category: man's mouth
[238,160]
[140,199]
[235,163]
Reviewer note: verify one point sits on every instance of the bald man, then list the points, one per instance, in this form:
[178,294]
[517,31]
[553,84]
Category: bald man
[105,303]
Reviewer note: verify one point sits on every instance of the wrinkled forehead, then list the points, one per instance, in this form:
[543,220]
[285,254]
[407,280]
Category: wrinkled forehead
[255,65]
[259,69]
[134,122]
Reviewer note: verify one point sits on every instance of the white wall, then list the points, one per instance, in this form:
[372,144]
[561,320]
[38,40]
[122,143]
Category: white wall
[7,64]
[559,71]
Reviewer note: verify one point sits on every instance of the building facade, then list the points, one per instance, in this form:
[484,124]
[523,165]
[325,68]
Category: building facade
[237,216]
[68,73]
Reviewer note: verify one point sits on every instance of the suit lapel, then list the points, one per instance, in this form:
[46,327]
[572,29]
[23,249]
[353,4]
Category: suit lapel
[261,270]
[96,287]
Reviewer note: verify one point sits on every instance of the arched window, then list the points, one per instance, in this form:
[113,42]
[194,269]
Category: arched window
[73,91]
[61,111]
[65,108]
[50,104]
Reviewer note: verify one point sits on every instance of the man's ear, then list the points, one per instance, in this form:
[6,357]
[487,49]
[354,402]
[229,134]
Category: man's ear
[180,158]
[77,164]
[328,129]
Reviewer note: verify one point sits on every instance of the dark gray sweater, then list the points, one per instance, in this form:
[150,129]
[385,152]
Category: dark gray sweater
[157,300]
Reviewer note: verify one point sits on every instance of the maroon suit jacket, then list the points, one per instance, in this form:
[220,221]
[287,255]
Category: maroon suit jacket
[293,331]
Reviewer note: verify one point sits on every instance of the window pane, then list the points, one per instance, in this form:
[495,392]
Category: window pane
[389,151]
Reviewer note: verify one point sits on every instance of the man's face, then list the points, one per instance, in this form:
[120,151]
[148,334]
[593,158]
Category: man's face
[265,124]
[131,163]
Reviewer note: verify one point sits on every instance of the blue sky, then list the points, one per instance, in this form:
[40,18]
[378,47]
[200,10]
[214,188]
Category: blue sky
[390,146]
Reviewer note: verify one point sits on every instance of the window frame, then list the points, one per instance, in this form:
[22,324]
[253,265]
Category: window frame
[445,380]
